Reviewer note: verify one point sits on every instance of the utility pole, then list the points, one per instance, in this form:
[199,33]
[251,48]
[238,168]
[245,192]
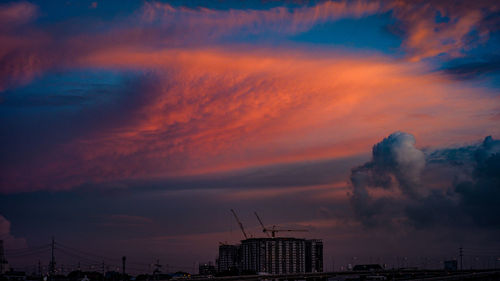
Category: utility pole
[39,268]
[53,260]
[103,269]
[3,261]
[156,272]
[124,259]
[461,258]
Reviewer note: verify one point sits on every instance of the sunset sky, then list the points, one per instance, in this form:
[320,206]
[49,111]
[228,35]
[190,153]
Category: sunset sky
[132,127]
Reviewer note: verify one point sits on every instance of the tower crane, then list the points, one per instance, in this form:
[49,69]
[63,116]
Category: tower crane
[240,224]
[262,224]
[274,229]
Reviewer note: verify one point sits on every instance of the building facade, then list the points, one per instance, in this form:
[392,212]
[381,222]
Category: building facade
[314,255]
[229,259]
[280,255]
[276,255]
[206,269]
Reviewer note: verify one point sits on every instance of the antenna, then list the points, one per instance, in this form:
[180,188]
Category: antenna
[461,251]
[124,260]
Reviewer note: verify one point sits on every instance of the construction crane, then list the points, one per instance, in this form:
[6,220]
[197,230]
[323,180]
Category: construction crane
[273,229]
[262,224]
[239,222]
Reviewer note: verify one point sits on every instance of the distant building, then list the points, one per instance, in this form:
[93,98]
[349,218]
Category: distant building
[228,260]
[314,255]
[451,265]
[367,267]
[273,255]
[4,266]
[206,269]
[280,255]
[12,275]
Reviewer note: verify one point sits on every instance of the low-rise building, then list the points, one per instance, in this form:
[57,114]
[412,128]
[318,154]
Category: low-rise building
[207,269]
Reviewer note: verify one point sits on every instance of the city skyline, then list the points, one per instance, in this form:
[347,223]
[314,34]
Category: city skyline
[132,128]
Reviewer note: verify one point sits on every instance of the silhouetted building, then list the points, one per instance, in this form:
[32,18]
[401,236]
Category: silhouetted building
[228,260]
[367,267]
[206,269]
[451,265]
[278,255]
[281,255]
[314,255]
[12,275]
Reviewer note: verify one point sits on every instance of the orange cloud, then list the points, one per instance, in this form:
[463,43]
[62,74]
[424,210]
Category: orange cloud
[17,13]
[215,110]
[426,36]
[331,190]
[26,53]
[281,19]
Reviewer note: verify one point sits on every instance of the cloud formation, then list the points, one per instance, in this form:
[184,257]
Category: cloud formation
[396,165]
[282,19]
[16,13]
[9,240]
[186,109]
[460,202]
[427,30]
[198,111]
[161,115]
[444,28]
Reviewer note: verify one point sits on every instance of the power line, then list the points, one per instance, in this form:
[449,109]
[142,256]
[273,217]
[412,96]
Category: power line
[26,249]
[87,253]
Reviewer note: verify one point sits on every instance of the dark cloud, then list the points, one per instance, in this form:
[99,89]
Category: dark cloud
[40,124]
[396,163]
[105,219]
[480,197]
[49,100]
[155,199]
[466,70]
[8,238]
[467,200]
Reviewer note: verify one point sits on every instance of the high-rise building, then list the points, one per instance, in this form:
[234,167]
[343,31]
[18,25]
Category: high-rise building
[281,255]
[314,255]
[228,260]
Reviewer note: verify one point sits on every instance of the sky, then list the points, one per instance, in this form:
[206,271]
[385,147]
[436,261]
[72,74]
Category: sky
[133,127]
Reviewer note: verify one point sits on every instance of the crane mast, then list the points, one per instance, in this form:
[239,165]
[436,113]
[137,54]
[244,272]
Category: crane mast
[240,224]
[262,224]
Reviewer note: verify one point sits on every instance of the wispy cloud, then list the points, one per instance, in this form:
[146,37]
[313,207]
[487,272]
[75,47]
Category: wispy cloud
[209,110]
[28,52]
